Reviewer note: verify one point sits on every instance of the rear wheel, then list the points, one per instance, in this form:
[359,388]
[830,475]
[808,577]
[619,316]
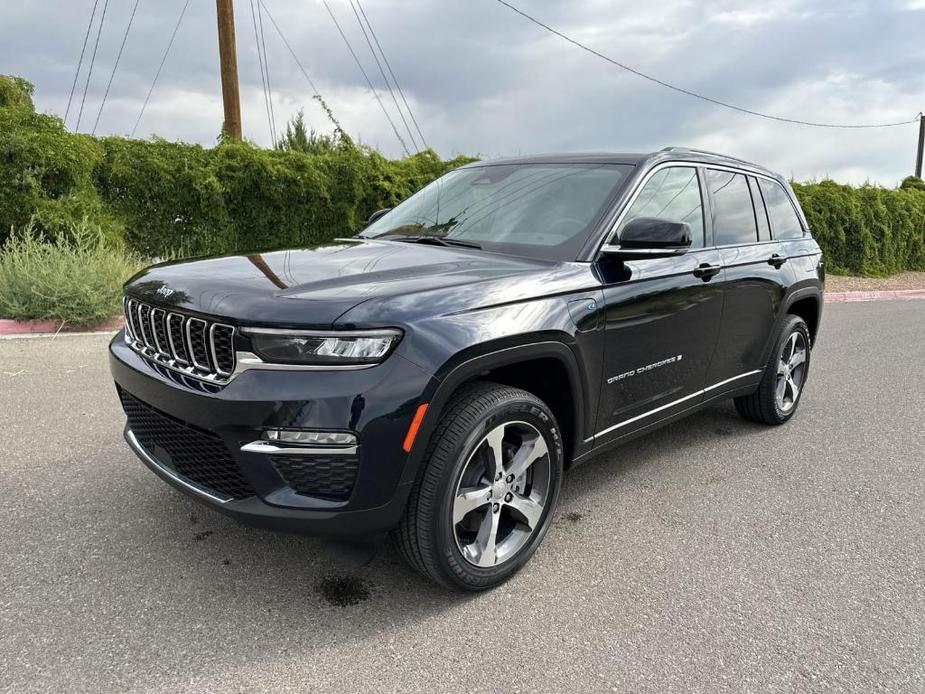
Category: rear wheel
[785,375]
[483,501]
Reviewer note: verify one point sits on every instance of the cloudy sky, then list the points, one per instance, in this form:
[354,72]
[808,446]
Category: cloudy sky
[483,80]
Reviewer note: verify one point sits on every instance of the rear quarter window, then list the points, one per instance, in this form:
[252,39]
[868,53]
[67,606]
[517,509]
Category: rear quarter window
[785,224]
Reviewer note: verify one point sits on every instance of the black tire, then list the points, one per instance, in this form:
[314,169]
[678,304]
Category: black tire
[427,534]
[763,405]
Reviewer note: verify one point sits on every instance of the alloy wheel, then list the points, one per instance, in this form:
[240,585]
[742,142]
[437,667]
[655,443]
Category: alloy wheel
[791,371]
[501,494]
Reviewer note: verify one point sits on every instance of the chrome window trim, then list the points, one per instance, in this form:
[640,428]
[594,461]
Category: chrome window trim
[189,342]
[220,371]
[609,236]
[153,462]
[747,171]
[702,391]
[270,448]
[173,349]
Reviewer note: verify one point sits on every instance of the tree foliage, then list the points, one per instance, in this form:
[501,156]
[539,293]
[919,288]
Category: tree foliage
[168,198]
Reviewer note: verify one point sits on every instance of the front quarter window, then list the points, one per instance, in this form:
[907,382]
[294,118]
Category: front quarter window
[539,210]
[672,193]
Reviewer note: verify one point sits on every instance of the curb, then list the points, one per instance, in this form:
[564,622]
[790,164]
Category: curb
[880,295]
[9,327]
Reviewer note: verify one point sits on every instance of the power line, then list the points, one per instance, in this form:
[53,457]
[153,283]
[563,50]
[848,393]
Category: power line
[96,46]
[80,60]
[112,75]
[394,78]
[298,62]
[263,80]
[384,78]
[681,90]
[160,67]
[266,65]
[311,83]
[366,77]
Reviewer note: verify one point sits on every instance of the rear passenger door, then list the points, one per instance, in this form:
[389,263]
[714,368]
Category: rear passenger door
[756,275]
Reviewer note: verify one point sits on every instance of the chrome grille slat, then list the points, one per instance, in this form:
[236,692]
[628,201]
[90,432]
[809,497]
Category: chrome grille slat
[127,313]
[198,343]
[159,332]
[143,315]
[178,348]
[196,347]
[220,349]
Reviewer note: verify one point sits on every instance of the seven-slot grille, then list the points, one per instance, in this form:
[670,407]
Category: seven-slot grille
[196,347]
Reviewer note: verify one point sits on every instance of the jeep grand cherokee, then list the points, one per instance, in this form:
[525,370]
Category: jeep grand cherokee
[435,375]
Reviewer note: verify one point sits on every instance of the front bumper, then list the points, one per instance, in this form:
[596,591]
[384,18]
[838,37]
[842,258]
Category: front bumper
[377,404]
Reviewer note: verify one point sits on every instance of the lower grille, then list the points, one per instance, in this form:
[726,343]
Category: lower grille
[330,477]
[197,455]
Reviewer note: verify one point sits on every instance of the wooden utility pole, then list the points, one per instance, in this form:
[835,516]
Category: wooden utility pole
[228,57]
[918,159]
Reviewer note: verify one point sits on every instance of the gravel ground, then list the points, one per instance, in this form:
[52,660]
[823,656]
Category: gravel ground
[904,280]
[712,556]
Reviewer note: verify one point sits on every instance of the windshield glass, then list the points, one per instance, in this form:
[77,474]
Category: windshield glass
[539,210]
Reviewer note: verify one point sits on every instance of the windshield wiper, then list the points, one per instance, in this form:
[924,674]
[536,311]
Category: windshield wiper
[438,241]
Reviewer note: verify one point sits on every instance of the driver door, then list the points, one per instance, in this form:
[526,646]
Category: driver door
[662,315]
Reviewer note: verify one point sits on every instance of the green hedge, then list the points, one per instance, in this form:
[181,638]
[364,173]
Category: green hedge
[867,230]
[170,199]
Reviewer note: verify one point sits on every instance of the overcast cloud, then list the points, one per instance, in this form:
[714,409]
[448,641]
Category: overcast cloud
[482,80]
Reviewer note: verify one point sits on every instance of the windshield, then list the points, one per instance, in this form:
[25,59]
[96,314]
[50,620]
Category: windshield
[539,210]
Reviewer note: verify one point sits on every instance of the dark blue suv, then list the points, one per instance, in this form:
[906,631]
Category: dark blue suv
[434,376]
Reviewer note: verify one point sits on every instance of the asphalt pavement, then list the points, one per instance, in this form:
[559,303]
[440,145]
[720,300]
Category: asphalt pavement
[712,556]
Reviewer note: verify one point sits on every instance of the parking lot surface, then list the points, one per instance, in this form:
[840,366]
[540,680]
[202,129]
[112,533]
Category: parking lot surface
[712,556]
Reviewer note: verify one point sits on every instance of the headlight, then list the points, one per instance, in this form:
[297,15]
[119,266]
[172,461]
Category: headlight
[322,348]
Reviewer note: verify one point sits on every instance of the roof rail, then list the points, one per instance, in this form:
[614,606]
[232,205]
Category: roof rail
[707,152]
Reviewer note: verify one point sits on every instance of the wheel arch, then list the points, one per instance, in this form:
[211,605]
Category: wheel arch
[508,365]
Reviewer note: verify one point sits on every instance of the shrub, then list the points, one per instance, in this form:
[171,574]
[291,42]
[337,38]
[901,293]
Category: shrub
[167,198]
[867,230]
[75,277]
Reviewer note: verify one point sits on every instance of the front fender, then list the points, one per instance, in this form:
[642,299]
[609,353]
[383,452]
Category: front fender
[479,360]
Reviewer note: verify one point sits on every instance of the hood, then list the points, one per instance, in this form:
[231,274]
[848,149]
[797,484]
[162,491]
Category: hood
[314,286]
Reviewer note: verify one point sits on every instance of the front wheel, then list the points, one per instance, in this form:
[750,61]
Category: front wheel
[489,484]
[785,375]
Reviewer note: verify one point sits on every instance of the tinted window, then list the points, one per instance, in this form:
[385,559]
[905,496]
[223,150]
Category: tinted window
[733,214]
[539,210]
[672,194]
[761,214]
[784,220]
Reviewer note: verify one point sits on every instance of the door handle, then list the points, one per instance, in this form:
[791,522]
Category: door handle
[705,271]
[777,260]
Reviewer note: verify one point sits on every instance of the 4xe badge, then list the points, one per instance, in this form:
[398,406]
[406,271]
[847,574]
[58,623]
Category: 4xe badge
[165,291]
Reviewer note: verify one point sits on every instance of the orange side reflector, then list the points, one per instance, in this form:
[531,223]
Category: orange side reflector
[413,429]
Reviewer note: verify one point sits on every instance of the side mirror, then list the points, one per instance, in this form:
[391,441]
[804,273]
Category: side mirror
[649,237]
[376,215]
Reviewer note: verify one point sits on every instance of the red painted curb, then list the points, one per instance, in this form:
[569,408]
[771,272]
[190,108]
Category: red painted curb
[875,295]
[30,327]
